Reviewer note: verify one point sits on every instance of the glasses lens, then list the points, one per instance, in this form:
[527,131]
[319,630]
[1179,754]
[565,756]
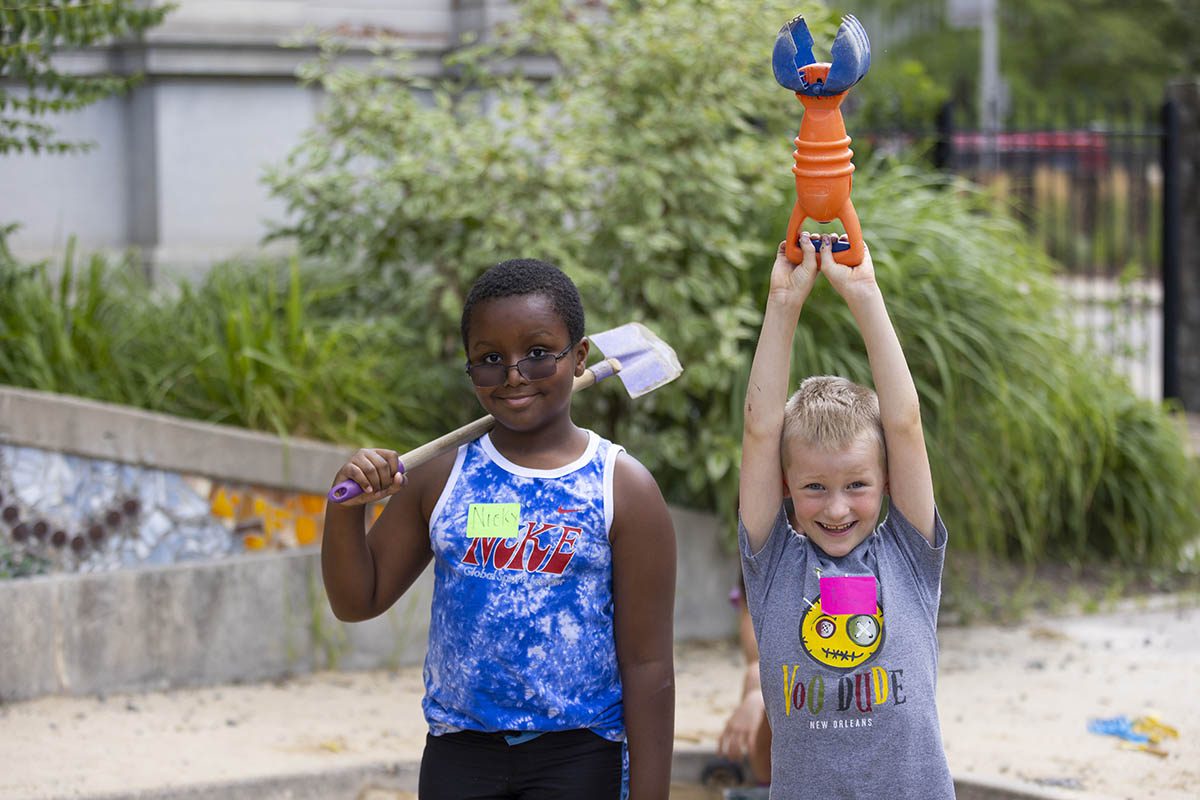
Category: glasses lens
[535,368]
[485,375]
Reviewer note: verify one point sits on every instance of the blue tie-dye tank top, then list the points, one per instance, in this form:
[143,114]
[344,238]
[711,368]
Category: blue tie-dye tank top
[521,631]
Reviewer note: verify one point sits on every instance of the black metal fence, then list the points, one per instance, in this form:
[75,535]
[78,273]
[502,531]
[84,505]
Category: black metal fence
[1088,185]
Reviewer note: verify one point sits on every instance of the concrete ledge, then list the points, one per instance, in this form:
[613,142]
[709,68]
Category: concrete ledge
[391,780]
[253,618]
[66,424]
[994,788]
[687,765]
[382,781]
[258,617]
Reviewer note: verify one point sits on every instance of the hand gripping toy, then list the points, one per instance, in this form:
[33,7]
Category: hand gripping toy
[823,168]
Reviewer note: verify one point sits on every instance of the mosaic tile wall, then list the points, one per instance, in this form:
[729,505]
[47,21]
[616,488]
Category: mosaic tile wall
[75,514]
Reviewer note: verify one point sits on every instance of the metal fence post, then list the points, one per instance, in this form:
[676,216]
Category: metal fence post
[1181,244]
[1170,251]
[943,148]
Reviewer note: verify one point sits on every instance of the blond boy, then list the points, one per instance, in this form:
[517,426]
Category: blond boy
[845,612]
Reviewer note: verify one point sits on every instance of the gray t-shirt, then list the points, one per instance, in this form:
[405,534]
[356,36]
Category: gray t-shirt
[850,694]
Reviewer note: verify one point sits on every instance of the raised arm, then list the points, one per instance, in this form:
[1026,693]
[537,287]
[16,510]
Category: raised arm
[910,484]
[760,488]
[643,547]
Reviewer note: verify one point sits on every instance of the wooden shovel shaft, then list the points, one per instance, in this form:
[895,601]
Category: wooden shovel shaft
[467,433]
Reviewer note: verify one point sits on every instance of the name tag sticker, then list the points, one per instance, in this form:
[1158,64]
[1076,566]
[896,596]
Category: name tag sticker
[493,520]
[853,594]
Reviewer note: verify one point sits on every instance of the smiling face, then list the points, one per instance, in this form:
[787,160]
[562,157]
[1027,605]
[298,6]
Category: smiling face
[836,491]
[504,330]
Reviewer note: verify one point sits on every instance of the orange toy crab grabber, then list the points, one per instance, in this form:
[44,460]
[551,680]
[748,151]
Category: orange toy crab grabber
[823,168]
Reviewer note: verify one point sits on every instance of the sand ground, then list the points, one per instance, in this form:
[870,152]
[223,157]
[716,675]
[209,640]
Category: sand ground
[1014,701]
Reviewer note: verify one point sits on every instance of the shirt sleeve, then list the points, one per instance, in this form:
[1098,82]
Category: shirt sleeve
[924,560]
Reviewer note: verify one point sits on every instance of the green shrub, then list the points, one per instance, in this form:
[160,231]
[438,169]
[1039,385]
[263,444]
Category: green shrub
[1039,447]
[642,169]
[654,168]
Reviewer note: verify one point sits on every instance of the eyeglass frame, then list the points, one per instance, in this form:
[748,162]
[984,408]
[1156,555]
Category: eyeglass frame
[517,364]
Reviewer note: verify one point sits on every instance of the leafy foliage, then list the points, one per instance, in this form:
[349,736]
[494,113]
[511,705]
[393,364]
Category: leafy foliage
[641,168]
[1052,52]
[31,31]
[1038,447]
[653,168]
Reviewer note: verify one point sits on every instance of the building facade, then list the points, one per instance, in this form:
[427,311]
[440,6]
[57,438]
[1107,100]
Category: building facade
[175,173]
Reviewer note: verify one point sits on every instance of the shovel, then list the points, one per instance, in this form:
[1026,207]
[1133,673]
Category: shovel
[636,355]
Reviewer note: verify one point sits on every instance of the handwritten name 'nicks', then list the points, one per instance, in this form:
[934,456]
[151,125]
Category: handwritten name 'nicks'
[493,520]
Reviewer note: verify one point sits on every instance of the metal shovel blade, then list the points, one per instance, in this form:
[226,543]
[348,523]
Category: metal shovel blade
[647,362]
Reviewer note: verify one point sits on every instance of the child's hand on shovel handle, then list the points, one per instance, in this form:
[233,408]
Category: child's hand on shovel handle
[376,471]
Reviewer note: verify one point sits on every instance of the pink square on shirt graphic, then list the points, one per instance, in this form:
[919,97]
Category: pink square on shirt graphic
[850,594]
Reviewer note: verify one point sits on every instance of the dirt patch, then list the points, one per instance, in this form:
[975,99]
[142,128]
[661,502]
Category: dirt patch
[1015,703]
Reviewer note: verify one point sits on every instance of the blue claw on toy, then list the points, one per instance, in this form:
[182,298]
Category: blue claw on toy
[850,57]
[793,50]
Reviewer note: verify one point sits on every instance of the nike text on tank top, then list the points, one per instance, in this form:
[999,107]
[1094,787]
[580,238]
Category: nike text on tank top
[521,630]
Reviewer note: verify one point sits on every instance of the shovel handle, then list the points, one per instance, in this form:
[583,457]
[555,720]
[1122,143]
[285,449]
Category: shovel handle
[469,432]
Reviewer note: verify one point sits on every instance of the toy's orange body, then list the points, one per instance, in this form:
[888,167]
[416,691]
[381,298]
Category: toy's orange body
[824,172]
[823,168]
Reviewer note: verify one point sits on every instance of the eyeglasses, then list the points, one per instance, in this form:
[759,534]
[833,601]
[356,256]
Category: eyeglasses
[531,368]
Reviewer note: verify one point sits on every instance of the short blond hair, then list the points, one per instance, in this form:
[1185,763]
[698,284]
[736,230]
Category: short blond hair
[829,412]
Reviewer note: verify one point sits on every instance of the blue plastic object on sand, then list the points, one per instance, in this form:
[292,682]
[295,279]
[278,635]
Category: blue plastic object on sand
[1121,727]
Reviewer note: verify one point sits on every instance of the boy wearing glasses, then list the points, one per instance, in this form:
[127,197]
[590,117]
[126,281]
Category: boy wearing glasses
[549,671]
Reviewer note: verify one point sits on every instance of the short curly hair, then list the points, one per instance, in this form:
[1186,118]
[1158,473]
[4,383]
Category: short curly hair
[522,276]
[831,412]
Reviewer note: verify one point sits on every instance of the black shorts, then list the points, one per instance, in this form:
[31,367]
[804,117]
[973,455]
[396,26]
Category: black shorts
[553,766]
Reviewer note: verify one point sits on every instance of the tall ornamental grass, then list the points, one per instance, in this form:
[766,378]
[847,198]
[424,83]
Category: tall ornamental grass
[272,347]
[1039,447]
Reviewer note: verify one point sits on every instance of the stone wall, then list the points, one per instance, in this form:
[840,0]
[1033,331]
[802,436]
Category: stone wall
[181,562]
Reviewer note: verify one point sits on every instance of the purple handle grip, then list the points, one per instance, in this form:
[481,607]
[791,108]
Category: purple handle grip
[344,491]
[347,489]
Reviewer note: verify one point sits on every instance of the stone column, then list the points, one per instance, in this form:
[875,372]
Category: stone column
[142,162]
